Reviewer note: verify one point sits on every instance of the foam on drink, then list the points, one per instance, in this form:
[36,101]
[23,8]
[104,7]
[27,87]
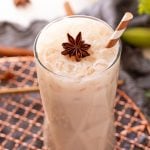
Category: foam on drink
[94,32]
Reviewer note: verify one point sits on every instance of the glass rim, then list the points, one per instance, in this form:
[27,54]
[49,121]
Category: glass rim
[73,16]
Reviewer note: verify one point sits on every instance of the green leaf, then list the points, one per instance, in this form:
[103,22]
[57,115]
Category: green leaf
[144,7]
[147,94]
[137,36]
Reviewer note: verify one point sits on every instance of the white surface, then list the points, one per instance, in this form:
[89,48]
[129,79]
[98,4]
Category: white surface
[38,9]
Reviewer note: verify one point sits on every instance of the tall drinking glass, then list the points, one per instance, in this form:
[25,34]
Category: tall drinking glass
[77,97]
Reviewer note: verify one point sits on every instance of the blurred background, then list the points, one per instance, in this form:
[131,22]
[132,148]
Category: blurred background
[37,10]
[21,113]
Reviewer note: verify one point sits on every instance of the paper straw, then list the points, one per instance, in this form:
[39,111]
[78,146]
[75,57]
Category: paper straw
[68,9]
[120,29]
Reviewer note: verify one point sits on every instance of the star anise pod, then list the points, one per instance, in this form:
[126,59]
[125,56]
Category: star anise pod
[21,2]
[76,47]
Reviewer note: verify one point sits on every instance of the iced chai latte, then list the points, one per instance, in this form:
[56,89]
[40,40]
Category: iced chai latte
[78,78]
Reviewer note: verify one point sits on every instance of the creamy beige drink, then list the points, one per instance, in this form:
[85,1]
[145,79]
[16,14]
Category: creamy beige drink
[77,96]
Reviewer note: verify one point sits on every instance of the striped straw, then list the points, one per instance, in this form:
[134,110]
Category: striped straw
[119,30]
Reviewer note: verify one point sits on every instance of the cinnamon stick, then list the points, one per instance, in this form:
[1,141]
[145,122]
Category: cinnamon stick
[19,90]
[120,82]
[68,9]
[21,2]
[8,51]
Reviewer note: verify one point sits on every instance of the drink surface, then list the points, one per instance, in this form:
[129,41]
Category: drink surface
[94,32]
